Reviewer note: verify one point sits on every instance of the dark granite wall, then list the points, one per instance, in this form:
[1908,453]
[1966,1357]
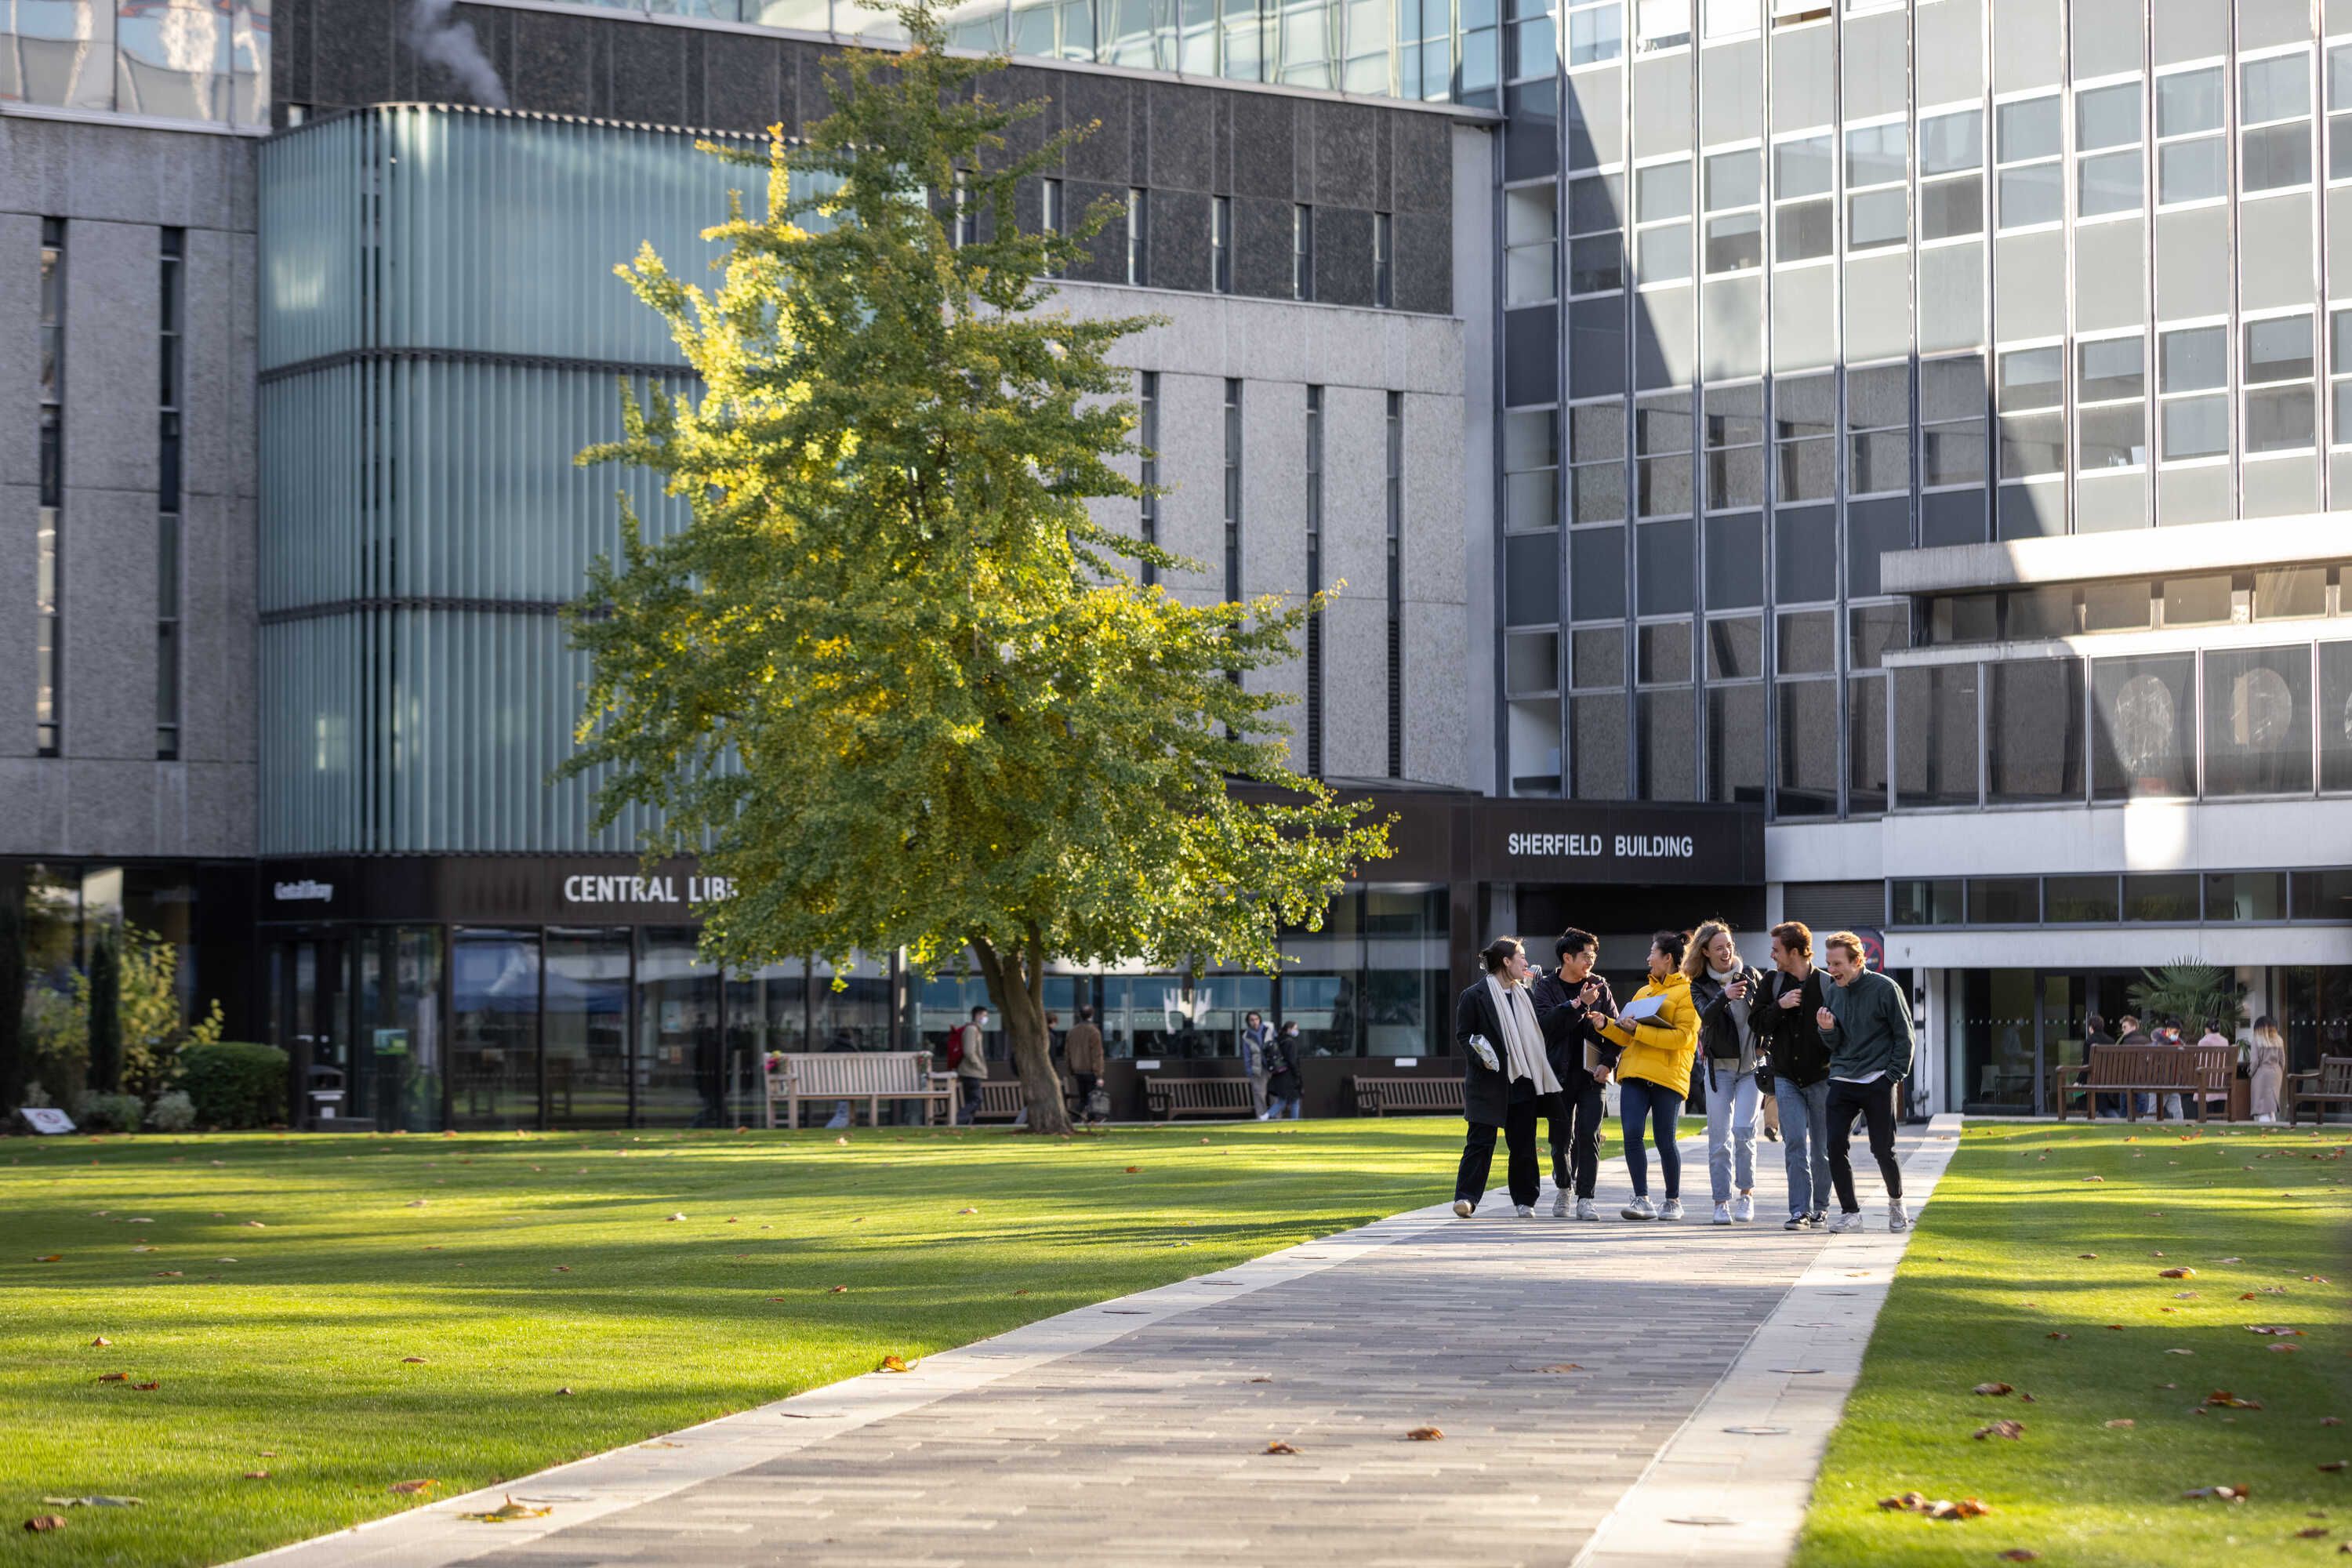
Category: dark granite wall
[1180,141]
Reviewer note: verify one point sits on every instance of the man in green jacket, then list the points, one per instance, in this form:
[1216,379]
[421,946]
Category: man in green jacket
[1866,1024]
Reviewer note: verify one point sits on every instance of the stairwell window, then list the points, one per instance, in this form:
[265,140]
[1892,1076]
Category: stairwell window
[169,303]
[1138,213]
[48,653]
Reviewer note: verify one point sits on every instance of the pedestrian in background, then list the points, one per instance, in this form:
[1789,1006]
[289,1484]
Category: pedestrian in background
[1723,987]
[1786,1021]
[1506,1076]
[1653,1069]
[2266,1071]
[967,1059]
[1567,1002]
[1867,1024]
[1286,1088]
[1256,1040]
[1082,1050]
[2095,1033]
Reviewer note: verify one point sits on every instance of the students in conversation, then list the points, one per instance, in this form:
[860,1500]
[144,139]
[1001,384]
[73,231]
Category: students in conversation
[1867,1026]
[1508,1073]
[1654,1072]
[1724,989]
[1786,1017]
[1567,1001]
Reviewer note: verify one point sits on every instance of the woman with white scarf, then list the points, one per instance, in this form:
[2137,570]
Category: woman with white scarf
[1508,1075]
[1723,985]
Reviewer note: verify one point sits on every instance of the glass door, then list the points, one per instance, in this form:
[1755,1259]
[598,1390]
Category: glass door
[310,1025]
[587,1028]
[494,988]
[2060,1030]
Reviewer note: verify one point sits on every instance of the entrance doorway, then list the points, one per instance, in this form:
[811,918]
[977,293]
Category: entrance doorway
[309,1022]
[2017,1027]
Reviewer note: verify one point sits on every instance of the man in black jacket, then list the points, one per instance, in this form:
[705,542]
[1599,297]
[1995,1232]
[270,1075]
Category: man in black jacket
[1785,1021]
[1581,1058]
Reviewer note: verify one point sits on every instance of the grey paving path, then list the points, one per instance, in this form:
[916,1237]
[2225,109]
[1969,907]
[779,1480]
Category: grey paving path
[1560,1361]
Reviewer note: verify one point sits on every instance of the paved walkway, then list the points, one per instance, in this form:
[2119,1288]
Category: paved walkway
[1610,1395]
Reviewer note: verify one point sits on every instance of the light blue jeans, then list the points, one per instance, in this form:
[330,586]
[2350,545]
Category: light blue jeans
[1731,1103]
[1805,1143]
[1281,1108]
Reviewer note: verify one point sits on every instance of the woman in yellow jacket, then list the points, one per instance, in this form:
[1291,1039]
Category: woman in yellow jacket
[1654,1074]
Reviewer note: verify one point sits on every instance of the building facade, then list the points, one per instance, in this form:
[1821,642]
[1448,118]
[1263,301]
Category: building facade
[1868,461]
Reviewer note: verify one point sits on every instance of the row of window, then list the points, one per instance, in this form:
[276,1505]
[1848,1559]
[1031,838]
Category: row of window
[2167,898]
[208,63]
[2206,599]
[1221,243]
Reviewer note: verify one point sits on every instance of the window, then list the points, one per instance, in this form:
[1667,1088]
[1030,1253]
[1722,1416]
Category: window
[1596,31]
[2279,417]
[1232,490]
[1596,237]
[2081,900]
[2107,149]
[2031,181]
[2143,727]
[962,223]
[1661,23]
[1302,251]
[48,653]
[2004,901]
[1314,580]
[2275,123]
[1395,498]
[1662,214]
[1735,210]
[1596,456]
[2258,721]
[170,301]
[1722,19]
[1050,217]
[1804,220]
[2167,897]
[2245,896]
[1951,174]
[1804,438]
[1384,259]
[1878,429]
[1530,243]
[1138,213]
[1877,164]
[2339,113]
[2192,160]
[1221,245]
[2339,375]
[2032,426]
[1952,421]
[2192,393]
[1662,444]
[2110,404]
[1926,901]
[2033,732]
[1531,468]
[1147,436]
[1936,735]
[1734,465]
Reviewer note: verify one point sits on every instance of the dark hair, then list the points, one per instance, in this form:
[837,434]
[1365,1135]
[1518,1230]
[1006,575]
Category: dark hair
[1795,936]
[1497,953]
[1573,941]
[976,1012]
[1086,1011]
[2093,1024]
[1254,1013]
[1673,943]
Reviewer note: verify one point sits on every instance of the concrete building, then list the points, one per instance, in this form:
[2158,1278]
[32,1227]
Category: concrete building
[1766,444]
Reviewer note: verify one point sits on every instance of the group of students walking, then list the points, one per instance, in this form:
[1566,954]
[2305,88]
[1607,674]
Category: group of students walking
[1830,1045]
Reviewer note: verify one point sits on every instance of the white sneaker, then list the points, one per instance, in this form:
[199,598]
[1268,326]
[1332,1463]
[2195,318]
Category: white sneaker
[1559,1205]
[1743,1209]
[1527,1211]
[1672,1209]
[1639,1209]
[1462,1208]
[1898,1216]
[1845,1222]
[1722,1214]
[1585,1210]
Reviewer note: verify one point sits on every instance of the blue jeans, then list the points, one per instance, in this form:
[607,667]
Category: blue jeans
[1638,1101]
[1282,1107]
[969,1107]
[1805,1143]
[1731,1101]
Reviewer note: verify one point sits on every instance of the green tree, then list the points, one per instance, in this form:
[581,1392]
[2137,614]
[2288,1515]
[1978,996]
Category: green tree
[2191,990]
[892,680]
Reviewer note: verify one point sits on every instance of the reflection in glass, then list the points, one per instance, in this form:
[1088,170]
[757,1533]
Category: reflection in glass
[2167,898]
[2004,901]
[2257,721]
[586,1028]
[2245,896]
[2080,900]
[2336,715]
[1927,901]
[494,1028]
[679,1080]
[172,57]
[2034,731]
[2143,714]
[1936,735]
[397,1013]
[1808,749]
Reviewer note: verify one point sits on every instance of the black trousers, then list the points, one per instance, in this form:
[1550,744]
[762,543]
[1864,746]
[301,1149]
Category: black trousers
[1519,1132]
[1874,1102]
[1574,1117]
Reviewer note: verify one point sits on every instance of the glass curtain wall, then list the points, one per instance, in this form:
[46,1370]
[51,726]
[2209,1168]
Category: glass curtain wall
[586,1028]
[680,1069]
[494,1017]
[200,61]
[396,989]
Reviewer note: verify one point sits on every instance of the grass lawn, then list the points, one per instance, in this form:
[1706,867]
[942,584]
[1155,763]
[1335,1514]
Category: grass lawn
[565,1292]
[1997,1289]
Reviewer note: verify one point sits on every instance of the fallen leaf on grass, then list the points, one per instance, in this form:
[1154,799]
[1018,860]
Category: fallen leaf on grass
[2087,1255]
[2223,1399]
[170,1274]
[2054,1334]
[1936,1508]
[1133,1170]
[412,1360]
[2123,1422]
[505,1511]
[563,1269]
[256,1475]
[97,1501]
[248,1224]
[676,1216]
[114,1377]
[2331,1420]
[50,1258]
[2011,1429]
[2331,1466]
[891,1363]
[2177,1274]
[2019,1555]
[2289,1349]
[1993,1388]
[2178,1352]
[836,1290]
[44,1521]
[146,1387]
[1279,1447]
[417,1202]
[2220,1494]
[2314,1534]
[1430,1434]
[2095,1178]
[967,1211]
[100,1341]
[410,1488]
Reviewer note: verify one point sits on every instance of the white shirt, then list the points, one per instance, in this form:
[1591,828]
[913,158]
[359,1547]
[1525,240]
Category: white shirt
[1873,1077]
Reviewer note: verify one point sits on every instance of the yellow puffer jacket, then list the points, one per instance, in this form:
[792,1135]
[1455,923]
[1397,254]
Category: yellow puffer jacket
[1660,1049]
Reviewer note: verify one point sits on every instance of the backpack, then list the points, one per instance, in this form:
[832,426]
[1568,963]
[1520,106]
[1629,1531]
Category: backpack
[955,1047]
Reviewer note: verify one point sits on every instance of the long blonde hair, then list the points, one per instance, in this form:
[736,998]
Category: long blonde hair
[1694,963]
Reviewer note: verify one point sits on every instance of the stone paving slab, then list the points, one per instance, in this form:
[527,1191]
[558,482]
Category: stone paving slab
[1581,1374]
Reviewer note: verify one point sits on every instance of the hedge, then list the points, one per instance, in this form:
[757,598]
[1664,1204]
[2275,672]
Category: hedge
[234,1084]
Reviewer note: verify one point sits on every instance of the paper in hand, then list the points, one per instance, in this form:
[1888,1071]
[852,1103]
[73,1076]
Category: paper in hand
[1642,1008]
[1486,1052]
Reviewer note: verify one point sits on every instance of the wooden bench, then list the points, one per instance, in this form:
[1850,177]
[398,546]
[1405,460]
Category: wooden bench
[1000,1101]
[2130,1071]
[2330,1085]
[870,1076]
[2216,1069]
[1378,1096]
[1167,1098]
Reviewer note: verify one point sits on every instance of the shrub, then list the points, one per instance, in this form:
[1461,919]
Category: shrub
[172,1112]
[108,1112]
[233,1083]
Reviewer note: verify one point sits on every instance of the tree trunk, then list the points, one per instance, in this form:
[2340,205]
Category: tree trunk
[1016,988]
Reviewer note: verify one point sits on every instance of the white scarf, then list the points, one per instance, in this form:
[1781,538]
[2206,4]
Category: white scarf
[1522,1039]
